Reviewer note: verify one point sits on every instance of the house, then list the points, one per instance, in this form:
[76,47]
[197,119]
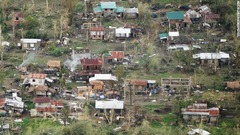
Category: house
[211,18]
[163,37]
[84,92]
[122,32]
[204,10]
[172,35]
[183,47]
[115,57]
[89,68]
[107,9]
[193,15]
[97,32]
[91,64]
[35,79]
[103,77]
[52,66]
[80,53]
[176,18]
[41,91]
[212,59]
[44,106]
[29,44]
[136,31]
[131,13]
[13,104]
[200,112]
[111,104]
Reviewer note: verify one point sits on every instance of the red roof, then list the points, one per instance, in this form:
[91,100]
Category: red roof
[46,109]
[2,102]
[37,76]
[139,82]
[57,103]
[41,100]
[187,20]
[97,61]
[117,54]
[97,29]
[214,112]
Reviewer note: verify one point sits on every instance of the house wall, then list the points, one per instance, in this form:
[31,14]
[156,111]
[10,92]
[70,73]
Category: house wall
[42,105]
[125,35]
[91,67]
[131,15]
[97,34]
[209,62]
[34,81]
[108,12]
[29,46]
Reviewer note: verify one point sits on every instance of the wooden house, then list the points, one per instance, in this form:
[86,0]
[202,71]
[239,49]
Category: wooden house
[175,18]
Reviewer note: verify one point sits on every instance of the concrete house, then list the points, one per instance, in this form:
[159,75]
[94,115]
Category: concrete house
[200,112]
[29,44]
[122,32]
[41,91]
[115,56]
[13,104]
[97,32]
[108,9]
[35,79]
[211,59]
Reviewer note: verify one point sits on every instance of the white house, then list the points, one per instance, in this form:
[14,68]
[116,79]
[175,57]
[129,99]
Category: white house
[29,44]
[35,79]
[109,104]
[122,32]
[103,77]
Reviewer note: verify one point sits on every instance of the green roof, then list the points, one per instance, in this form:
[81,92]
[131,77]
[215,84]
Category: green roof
[119,10]
[175,15]
[163,35]
[97,9]
[108,5]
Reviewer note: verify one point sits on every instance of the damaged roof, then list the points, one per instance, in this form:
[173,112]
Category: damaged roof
[54,63]
[97,29]
[41,100]
[117,54]
[37,76]
[97,61]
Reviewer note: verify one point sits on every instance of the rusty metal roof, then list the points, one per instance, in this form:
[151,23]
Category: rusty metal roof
[41,100]
[97,29]
[97,61]
[37,76]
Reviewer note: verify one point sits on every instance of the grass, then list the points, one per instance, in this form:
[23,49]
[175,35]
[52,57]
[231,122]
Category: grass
[150,108]
[168,118]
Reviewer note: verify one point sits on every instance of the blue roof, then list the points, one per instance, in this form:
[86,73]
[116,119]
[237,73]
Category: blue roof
[175,15]
[97,9]
[108,5]
[163,35]
[119,10]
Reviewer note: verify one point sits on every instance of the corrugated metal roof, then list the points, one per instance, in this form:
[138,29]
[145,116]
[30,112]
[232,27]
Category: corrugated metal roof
[163,35]
[117,54]
[41,100]
[97,61]
[139,82]
[119,10]
[175,15]
[54,63]
[108,5]
[131,10]
[97,9]
[123,30]
[26,40]
[109,104]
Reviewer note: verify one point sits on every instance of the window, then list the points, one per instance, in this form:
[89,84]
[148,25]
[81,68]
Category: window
[33,80]
[88,68]
[96,67]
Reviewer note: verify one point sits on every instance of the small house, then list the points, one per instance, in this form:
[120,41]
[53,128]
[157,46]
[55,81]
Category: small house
[41,91]
[111,104]
[176,18]
[122,32]
[29,44]
[54,64]
[43,107]
[13,104]
[91,64]
[211,18]
[200,112]
[212,59]
[115,56]
[163,37]
[35,79]
[131,13]
[105,9]
[97,32]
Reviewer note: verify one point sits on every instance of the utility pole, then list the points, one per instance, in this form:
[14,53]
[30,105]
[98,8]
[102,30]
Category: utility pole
[1,47]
